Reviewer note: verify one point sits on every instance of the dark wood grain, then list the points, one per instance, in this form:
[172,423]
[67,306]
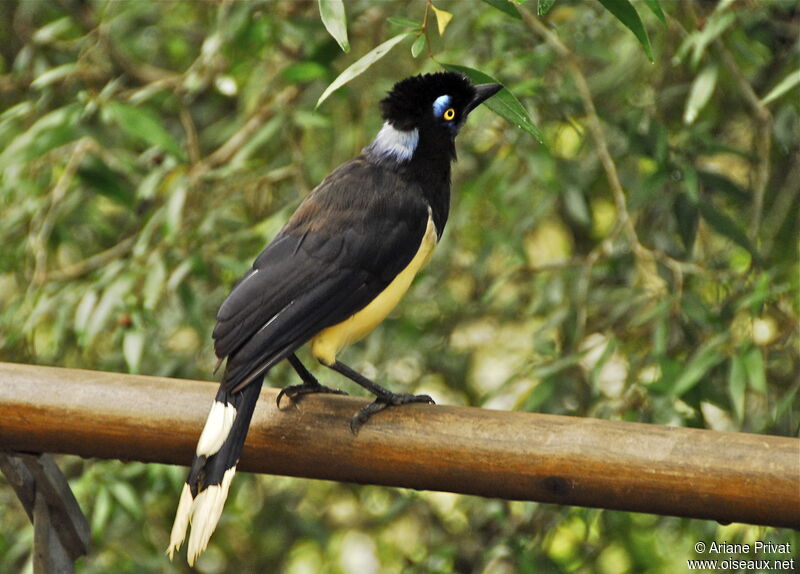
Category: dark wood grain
[730,477]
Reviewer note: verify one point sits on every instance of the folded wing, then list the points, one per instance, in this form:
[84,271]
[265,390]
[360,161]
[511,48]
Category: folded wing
[329,261]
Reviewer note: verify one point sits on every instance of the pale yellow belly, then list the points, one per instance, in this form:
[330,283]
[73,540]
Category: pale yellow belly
[331,340]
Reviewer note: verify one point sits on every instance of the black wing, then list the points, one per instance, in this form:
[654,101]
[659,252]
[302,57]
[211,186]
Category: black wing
[343,246]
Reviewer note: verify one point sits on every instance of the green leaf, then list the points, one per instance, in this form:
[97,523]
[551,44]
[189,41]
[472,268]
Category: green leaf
[716,25]
[786,403]
[360,66]
[690,182]
[303,72]
[154,283]
[506,7]
[53,130]
[687,218]
[716,182]
[418,45]
[726,226]
[655,8]
[101,511]
[335,21]
[132,348]
[543,7]
[404,22]
[754,365]
[143,125]
[174,207]
[53,75]
[504,103]
[624,11]
[100,178]
[59,29]
[737,383]
[84,311]
[702,89]
[576,207]
[126,496]
[110,302]
[540,394]
[707,357]
[783,86]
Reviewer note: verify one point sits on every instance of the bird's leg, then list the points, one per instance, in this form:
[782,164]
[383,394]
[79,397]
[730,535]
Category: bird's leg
[310,383]
[383,397]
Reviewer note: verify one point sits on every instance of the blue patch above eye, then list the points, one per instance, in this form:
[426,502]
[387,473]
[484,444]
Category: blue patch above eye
[440,104]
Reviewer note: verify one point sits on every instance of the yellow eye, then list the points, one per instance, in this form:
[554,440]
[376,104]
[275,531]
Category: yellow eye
[449,114]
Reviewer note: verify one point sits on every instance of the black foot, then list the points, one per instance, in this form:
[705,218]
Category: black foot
[296,392]
[383,401]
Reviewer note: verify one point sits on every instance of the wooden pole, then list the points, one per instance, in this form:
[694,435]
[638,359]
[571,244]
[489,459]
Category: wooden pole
[729,477]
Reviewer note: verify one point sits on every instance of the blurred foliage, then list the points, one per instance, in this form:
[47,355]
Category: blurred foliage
[641,265]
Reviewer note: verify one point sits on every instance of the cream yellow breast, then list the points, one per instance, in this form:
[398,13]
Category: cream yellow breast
[330,341]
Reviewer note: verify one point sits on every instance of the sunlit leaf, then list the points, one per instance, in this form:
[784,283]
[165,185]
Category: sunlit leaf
[175,203]
[154,283]
[504,103]
[53,75]
[702,89]
[84,310]
[335,21]
[624,11]
[360,66]
[132,349]
[783,86]
[58,29]
[443,18]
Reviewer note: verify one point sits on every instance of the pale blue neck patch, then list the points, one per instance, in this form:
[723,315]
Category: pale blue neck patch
[440,104]
[394,144]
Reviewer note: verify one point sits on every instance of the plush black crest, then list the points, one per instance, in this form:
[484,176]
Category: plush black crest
[411,100]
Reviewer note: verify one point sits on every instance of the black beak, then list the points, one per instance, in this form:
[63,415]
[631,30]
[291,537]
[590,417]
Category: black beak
[482,93]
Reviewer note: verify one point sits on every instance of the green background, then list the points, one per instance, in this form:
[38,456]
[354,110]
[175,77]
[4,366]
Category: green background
[148,151]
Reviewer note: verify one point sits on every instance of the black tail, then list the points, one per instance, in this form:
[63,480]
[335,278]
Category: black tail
[213,467]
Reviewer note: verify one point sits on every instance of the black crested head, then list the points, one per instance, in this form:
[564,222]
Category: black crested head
[409,102]
[422,116]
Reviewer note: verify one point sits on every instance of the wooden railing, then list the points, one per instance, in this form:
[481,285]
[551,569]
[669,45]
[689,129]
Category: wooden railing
[723,476]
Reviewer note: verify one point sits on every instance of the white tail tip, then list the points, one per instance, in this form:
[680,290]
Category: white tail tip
[202,513]
[218,426]
[182,517]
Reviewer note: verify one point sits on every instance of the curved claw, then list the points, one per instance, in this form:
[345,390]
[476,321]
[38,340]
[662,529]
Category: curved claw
[382,402]
[294,392]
